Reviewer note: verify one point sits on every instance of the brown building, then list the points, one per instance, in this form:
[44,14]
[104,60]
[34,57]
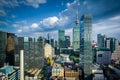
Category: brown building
[10,48]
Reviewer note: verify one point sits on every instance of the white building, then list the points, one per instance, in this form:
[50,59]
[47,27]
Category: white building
[103,56]
[48,51]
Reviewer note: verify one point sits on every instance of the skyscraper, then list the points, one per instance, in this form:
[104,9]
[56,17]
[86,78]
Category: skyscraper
[101,40]
[76,35]
[86,48]
[67,41]
[3,43]
[61,38]
[10,48]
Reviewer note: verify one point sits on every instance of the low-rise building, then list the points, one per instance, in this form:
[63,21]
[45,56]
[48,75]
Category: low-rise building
[103,56]
[10,73]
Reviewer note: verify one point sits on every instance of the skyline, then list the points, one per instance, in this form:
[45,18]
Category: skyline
[37,18]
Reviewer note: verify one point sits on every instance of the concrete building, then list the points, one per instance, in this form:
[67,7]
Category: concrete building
[116,54]
[76,35]
[101,40]
[48,51]
[103,56]
[85,45]
[57,70]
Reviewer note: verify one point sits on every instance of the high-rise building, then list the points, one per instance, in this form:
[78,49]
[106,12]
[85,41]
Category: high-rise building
[85,44]
[101,40]
[10,48]
[76,35]
[110,43]
[33,52]
[67,41]
[52,42]
[3,43]
[61,38]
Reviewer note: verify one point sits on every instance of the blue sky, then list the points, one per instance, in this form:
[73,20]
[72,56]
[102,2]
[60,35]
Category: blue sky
[39,17]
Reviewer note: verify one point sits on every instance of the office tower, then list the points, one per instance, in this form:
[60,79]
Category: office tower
[56,44]
[110,43]
[3,43]
[76,35]
[85,44]
[52,43]
[101,40]
[19,46]
[34,52]
[61,38]
[48,38]
[67,41]
[10,48]
[40,54]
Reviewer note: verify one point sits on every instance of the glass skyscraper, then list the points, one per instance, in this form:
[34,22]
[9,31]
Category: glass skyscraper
[86,48]
[76,35]
[61,38]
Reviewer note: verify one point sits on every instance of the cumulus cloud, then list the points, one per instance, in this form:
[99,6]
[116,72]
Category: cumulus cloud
[19,31]
[49,22]
[34,25]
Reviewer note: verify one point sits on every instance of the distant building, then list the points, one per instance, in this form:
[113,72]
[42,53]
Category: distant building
[110,43]
[61,38]
[52,42]
[101,40]
[76,35]
[33,51]
[10,73]
[57,70]
[103,56]
[67,41]
[85,44]
[10,55]
[48,51]
[3,43]
[116,54]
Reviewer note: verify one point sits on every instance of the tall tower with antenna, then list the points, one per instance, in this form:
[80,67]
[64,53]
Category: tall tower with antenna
[76,35]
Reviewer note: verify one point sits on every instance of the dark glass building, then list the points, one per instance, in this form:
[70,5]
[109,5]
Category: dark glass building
[61,38]
[67,41]
[3,44]
[101,38]
[85,44]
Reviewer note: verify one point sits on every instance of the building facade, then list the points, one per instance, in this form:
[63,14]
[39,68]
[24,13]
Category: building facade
[67,41]
[101,38]
[76,35]
[3,43]
[61,38]
[85,44]
[103,56]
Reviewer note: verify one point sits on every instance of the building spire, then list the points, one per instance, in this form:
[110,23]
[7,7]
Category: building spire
[77,21]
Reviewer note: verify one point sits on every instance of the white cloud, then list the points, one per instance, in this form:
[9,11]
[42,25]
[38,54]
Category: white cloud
[35,3]
[34,25]
[68,4]
[49,22]
[115,18]
[19,31]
